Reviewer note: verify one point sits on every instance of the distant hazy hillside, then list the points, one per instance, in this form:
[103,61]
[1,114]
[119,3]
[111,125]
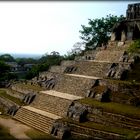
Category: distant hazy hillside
[24,55]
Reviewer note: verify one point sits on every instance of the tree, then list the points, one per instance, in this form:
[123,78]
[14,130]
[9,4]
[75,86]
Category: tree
[54,53]
[77,48]
[4,67]
[23,61]
[7,58]
[5,73]
[75,51]
[98,31]
[44,63]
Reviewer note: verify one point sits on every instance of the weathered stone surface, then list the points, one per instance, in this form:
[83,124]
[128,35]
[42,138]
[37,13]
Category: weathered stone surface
[70,69]
[47,81]
[60,130]
[118,71]
[108,55]
[51,103]
[28,98]
[99,93]
[133,11]
[12,110]
[123,38]
[88,68]
[103,96]
[113,37]
[121,43]
[7,105]
[77,112]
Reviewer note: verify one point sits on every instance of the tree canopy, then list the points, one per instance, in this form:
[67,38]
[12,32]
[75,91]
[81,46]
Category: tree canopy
[98,31]
[7,58]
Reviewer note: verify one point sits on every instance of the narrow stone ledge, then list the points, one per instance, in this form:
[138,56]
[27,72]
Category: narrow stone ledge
[44,113]
[84,76]
[61,95]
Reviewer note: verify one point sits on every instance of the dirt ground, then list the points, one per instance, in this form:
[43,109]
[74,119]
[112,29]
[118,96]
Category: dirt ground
[16,128]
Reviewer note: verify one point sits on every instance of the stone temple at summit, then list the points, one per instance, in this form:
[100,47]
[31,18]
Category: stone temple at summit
[128,29]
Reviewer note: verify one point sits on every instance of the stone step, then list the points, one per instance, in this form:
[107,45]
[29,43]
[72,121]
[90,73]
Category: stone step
[92,68]
[57,69]
[40,126]
[22,113]
[67,62]
[77,135]
[36,118]
[75,85]
[61,95]
[44,113]
[62,67]
[84,76]
[113,45]
[95,132]
[15,94]
[109,55]
[122,118]
[54,102]
[109,122]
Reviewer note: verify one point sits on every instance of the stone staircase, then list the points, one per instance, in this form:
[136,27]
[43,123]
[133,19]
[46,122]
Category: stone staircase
[54,102]
[92,68]
[74,84]
[108,55]
[36,118]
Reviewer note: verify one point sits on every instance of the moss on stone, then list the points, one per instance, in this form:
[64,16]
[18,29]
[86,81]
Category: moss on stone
[4,95]
[129,134]
[29,86]
[112,107]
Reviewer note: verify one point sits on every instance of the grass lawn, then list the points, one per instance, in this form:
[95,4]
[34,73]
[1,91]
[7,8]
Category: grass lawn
[4,95]
[112,107]
[29,86]
[130,134]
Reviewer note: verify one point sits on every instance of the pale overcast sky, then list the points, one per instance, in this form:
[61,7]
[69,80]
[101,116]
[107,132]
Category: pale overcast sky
[40,27]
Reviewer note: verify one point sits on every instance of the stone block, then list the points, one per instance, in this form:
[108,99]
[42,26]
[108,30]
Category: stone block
[77,112]
[123,36]
[113,36]
[129,35]
[120,43]
[60,130]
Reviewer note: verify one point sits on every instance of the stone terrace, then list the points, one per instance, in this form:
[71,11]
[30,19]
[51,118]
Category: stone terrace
[75,85]
[36,118]
[64,108]
[54,102]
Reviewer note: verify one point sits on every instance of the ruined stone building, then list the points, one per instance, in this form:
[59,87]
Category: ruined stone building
[128,29]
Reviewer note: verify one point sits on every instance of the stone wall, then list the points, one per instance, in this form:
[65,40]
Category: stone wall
[119,86]
[34,119]
[67,62]
[113,45]
[109,56]
[5,104]
[101,116]
[73,85]
[123,92]
[52,104]
[22,90]
[15,94]
[95,132]
[88,55]
[57,69]
[96,69]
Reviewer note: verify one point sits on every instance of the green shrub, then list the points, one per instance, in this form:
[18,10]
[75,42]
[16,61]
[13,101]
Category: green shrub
[134,47]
